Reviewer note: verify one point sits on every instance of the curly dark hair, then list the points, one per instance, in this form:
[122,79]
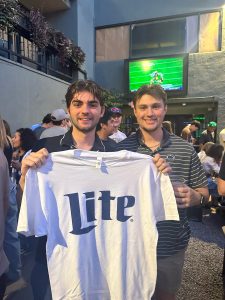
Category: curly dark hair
[27,138]
[84,85]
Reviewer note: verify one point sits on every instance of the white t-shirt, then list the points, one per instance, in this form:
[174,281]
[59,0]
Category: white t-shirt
[118,136]
[99,212]
[53,131]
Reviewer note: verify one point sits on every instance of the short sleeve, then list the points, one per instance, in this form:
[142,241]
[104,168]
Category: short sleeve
[197,177]
[32,217]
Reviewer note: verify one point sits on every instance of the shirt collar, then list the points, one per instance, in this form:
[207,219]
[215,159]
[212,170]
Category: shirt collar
[67,141]
[164,143]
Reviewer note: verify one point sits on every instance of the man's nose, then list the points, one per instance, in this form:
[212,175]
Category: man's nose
[85,109]
[149,110]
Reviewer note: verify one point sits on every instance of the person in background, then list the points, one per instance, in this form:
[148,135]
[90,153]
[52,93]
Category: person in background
[11,241]
[208,135]
[7,128]
[105,128]
[211,164]
[59,124]
[46,123]
[4,193]
[6,141]
[168,126]
[205,148]
[118,135]
[187,132]
[152,139]
[222,138]
[221,178]
[23,140]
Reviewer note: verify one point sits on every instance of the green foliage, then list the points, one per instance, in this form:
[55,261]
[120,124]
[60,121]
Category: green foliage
[44,35]
[112,98]
[8,13]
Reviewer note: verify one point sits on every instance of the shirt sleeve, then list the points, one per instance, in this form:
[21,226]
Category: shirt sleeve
[197,177]
[32,217]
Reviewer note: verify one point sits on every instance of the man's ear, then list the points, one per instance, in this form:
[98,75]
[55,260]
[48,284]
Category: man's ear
[102,110]
[166,108]
[134,110]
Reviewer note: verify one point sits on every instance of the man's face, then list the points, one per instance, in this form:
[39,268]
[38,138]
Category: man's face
[150,113]
[85,111]
[211,129]
[117,118]
[109,128]
[193,128]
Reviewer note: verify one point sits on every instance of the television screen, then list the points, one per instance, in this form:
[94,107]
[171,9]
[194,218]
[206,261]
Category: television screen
[168,71]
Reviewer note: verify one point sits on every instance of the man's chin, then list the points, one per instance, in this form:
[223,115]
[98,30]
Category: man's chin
[85,129]
[150,129]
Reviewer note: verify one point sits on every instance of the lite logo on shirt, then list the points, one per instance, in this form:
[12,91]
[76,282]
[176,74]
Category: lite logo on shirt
[123,202]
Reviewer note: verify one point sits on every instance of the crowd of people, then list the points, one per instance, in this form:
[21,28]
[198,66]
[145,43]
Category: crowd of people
[89,126]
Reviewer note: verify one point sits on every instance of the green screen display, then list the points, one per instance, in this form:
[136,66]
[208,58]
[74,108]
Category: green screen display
[168,72]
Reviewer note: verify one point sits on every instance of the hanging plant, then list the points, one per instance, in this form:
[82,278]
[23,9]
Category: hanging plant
[39,29]
[77,56]
[8,14]
[44,35]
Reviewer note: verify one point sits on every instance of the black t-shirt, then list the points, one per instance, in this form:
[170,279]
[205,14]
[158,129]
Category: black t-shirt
[206,137]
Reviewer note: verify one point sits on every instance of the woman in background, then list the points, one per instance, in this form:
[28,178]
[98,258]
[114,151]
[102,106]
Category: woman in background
[211,164]
[23,140]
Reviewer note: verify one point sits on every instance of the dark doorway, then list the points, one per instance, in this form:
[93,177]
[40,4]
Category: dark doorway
[179,122]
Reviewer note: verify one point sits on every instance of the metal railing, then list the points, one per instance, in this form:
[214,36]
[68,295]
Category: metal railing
[16,47]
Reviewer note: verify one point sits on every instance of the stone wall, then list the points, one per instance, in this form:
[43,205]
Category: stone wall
[206,77]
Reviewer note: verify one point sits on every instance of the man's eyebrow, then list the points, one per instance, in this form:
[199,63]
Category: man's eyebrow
[79,100]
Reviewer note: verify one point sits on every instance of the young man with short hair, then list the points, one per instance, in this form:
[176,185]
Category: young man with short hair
[188,130]
[150,108]
[46,123]
[118,135]
[208,135]
[58,117]
[105,128]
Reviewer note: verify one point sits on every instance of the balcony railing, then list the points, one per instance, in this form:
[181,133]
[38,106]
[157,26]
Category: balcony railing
[18,46]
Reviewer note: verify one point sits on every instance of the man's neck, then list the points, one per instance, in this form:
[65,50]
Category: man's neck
[152,139]
[83,140]
[103,136]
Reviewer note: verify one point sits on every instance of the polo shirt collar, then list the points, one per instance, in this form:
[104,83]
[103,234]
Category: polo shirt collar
[67,141]
[164,143]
